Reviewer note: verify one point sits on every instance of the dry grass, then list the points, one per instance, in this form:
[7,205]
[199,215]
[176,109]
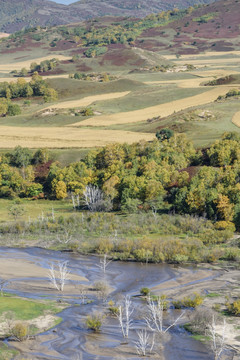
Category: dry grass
[236,119]
[60,137]
[88,100]
[162,110]
[3,35]
[214,73]
[206,54]
[8,79]
[192,83]
[198,62]
[188,83]
[26,63]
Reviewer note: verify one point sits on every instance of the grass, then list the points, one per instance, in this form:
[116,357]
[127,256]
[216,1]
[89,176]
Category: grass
[201,132]
[9,66]
[144,97]
[35,208]
[25,309]
[213,295]
[196,336]
[236,119]
[162,110]
[7,353]
[61,137]
[122,118]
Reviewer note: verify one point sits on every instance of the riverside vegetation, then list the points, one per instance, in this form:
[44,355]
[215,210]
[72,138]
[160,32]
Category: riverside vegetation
[184,206]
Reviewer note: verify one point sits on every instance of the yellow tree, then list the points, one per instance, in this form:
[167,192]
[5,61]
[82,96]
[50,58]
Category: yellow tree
[225,208]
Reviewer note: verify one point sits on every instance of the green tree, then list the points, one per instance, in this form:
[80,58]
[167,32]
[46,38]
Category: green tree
[21,157]
[164,134]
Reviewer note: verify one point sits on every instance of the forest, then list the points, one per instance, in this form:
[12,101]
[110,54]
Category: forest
[165,175]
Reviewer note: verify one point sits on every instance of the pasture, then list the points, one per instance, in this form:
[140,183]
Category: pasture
[123,108]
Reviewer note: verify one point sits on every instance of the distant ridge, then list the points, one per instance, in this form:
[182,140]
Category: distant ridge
[16,15]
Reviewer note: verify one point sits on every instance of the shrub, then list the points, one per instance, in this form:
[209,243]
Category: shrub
[234,308]
[20,331]
[145,291]
[114,310]
[189,302]
[94,322]
[13,109]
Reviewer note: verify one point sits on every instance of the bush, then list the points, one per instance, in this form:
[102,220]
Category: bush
[234,308]
[94,322]
[114,310]
[189,302]
[164,134]
[13,109]
[145,291]
[20,331]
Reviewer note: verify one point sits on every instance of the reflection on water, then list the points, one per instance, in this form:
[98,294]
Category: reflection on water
[72,341]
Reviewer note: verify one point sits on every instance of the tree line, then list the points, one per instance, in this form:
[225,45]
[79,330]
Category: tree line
[165,174]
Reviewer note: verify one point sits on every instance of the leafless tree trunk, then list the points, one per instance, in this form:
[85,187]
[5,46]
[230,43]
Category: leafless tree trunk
[92,197]
[65,238]
[144,344]
[124,316]
[75,200]
[217,342]
[104,263]
[62,268]
[154,319]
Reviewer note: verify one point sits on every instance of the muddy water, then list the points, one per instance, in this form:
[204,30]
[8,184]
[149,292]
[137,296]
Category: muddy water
[71,340]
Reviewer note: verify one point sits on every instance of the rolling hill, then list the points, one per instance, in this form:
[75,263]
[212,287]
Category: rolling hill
[16,15]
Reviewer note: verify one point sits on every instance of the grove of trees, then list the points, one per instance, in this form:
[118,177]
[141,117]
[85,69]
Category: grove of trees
[165,175]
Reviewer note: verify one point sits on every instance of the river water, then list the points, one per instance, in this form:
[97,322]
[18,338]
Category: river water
[71,340]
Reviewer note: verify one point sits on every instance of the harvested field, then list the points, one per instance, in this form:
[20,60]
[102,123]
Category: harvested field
[87,100]
[205,54]
[209,61]
[190,83]
[236,119]
[26,64]
[3,35]
[159,110]
[60,137]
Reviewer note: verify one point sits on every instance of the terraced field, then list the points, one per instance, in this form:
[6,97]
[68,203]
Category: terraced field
[123,107]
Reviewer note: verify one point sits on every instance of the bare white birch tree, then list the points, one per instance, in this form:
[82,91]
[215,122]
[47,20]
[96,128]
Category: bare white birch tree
[104,263]
[144,344]
[93,197]
[217,341]
[62,269]
[154,318]
[124,316]
[65,238]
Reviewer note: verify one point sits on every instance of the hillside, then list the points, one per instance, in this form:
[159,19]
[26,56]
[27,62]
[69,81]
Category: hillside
[16,15]
[120,42]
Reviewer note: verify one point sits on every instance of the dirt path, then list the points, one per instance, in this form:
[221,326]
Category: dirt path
[236,119]
[162,110]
